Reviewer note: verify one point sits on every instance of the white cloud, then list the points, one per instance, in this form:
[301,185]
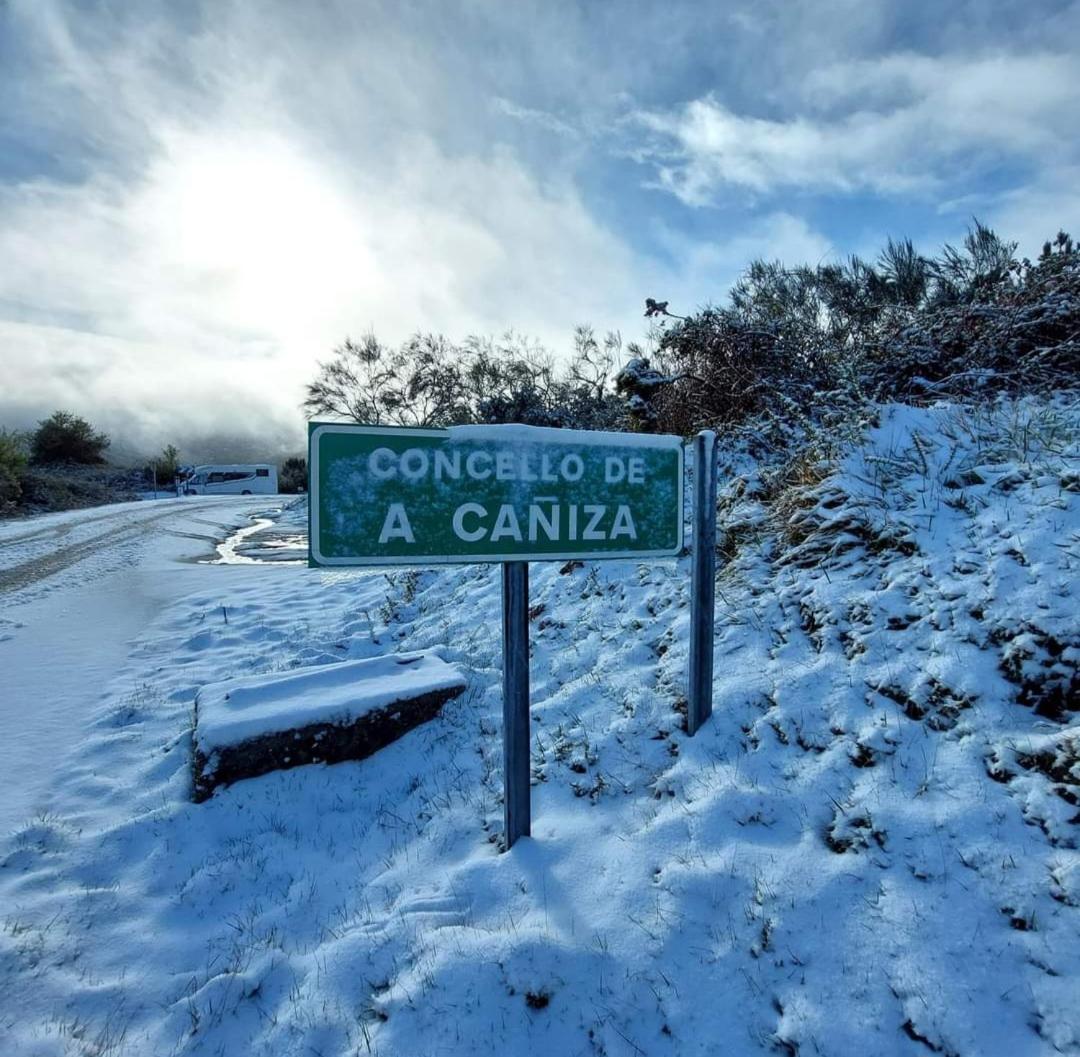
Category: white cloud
[236,260]
[902,124]
[539,118]
[238,186]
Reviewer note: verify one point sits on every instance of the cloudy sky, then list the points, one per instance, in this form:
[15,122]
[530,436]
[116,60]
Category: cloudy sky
[199,200]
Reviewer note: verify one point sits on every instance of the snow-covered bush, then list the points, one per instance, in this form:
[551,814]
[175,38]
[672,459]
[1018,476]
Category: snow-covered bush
[1018,331]
[641,385]
[803,344]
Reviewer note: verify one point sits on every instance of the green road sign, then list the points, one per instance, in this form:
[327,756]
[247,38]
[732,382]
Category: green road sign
[388,496]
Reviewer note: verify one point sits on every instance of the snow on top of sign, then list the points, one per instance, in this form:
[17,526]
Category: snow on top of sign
[237,710]
[514,432]
[511,432]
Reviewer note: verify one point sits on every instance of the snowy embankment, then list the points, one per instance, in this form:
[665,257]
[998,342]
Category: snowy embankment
[871,847]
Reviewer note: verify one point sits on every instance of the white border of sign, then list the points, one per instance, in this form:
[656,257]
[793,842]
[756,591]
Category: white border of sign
[580,436]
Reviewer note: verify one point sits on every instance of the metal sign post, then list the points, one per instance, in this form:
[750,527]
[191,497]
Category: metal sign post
[517,809]
[702,582]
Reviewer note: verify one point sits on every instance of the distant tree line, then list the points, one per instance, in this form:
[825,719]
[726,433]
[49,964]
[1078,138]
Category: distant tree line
[788,342]
[62,464]
[61,438]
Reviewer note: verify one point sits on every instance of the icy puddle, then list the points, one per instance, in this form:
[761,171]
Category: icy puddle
[268,539]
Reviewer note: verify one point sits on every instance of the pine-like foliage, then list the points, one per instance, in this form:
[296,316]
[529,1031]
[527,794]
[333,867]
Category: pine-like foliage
[992,326]
[789,345]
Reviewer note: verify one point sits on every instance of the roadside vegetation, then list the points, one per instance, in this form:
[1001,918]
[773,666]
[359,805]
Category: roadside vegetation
[292,476]
[64,437]
[13,458]
[791,348]
[163,468]
[431,381]
[63,465]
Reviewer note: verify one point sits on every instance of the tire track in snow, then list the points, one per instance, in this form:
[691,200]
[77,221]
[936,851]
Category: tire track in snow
[42,567]
[63,529]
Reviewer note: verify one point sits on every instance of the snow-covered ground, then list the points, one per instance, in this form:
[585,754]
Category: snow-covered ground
[870,849]
[75,589]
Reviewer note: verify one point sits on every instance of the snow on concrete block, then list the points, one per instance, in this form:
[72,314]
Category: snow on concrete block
[249,726]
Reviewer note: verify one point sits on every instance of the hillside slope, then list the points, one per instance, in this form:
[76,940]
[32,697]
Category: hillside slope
[871,848]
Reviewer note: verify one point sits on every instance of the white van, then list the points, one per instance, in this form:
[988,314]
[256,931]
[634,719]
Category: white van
[234,479]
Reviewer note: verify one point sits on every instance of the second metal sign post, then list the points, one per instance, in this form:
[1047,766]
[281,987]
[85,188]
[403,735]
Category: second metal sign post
[517,798]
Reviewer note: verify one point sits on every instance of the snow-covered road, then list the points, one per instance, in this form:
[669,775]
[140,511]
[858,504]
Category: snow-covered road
[75,588]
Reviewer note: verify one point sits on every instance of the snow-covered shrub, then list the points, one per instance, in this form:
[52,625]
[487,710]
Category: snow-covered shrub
[640,385]
[806,344]
[716,369]
[1017,331]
